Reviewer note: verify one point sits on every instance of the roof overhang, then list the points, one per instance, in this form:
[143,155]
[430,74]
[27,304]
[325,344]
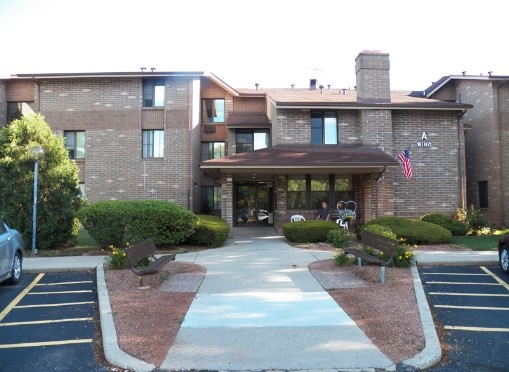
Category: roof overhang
[305,159]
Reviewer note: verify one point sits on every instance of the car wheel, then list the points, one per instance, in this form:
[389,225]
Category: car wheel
[504,259]
[16,269]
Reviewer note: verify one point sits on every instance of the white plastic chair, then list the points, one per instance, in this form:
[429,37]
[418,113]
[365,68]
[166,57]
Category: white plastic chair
[297,217]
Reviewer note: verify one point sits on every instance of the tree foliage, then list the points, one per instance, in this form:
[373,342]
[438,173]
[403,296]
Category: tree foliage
[58,190]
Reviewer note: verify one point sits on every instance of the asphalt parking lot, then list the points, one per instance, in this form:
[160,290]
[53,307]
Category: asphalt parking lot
[471,310]
[48,321]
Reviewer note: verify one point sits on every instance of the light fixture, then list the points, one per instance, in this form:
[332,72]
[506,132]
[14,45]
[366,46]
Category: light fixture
[36,154]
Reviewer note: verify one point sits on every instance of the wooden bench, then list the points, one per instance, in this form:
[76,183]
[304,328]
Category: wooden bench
[386,245]
[141,251]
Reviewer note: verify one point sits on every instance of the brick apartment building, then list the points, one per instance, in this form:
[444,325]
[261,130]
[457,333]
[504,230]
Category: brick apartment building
[486,138]
[252,156]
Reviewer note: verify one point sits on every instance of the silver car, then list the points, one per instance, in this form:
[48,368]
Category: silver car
[11,254]
[503,253]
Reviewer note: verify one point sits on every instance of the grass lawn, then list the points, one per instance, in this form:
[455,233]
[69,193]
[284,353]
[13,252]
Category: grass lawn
[477,243]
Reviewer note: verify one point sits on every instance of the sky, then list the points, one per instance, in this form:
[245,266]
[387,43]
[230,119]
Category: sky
[274,43]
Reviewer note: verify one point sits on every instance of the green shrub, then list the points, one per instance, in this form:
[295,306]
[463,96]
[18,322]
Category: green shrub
[342,259]
[312,231]
[339,238]
[477,223]
[117,222]
[413,231]
[211,231]
[457,228]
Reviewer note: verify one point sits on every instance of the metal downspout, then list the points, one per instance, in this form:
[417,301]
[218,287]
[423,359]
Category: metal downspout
[380,175]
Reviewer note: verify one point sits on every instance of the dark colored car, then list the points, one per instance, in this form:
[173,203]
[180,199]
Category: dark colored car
[503,253]
[11,254]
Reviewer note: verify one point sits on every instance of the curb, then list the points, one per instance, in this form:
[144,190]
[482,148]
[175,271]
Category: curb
[432,352]
[112,351]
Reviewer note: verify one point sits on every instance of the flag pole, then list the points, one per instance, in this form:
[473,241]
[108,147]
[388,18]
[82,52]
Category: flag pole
[405,150]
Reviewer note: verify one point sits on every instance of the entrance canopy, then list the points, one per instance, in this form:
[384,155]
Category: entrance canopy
[297,159]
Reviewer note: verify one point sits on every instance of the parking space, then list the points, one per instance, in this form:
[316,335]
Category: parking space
[471,309]
[50,321]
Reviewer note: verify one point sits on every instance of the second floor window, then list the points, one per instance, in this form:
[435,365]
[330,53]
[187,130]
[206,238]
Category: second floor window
[212,111]
[324,128]
[252,139]
[212,150]
[153,144]
[75,144]
[153,93]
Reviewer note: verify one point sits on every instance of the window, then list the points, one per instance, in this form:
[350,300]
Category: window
[483,194]
[252,139]
[343,189]
[213,111]
[296,192]
[319,191]
[212,150]
[153,144]
[75,144]
[309,191]
[153,93]
[14,111]
[211,199]
[324,129]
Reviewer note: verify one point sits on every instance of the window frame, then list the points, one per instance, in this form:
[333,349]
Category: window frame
[205,117]
[151,90]
[211,196]
[321,125]
[339,187]
[209,151]
[148,149]
[73,149]
[250,145]
[482,189]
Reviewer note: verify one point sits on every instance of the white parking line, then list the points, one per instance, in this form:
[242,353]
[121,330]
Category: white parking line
[66,283]
[466,283]
[467,294]
[472,307]
[59,292]
[476,329]
[46,321]
[502,283]
[54,305]
[47,343]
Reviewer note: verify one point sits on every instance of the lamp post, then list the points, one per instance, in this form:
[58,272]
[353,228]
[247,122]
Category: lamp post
[36,153]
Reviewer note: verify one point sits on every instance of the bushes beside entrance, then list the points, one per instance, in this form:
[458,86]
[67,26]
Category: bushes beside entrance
[117,222]
[211,231]
[413,231]
[308,231]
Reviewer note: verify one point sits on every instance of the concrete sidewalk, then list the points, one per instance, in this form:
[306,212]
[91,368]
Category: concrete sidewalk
[259,308]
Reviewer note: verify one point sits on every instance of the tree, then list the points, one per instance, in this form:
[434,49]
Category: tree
[58,187]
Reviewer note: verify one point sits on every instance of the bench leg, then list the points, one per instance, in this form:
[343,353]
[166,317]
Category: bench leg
[359,261]
[382,274]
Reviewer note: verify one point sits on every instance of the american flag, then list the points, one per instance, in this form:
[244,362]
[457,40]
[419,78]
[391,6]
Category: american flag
[404,157]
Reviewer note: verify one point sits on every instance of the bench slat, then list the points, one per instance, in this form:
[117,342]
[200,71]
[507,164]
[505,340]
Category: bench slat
[142,250]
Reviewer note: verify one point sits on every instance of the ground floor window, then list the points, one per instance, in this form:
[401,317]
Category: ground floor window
[483,194]
[211,199]
[309,191]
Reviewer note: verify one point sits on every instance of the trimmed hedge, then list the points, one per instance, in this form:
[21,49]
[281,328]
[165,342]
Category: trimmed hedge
[457,228]
[308,231]
[413,231]
[117,222]
[211,231]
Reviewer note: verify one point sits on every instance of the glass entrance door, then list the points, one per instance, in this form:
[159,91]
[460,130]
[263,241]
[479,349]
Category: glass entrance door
[253,204]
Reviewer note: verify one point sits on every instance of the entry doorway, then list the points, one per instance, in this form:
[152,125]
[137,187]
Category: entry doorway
[253,204]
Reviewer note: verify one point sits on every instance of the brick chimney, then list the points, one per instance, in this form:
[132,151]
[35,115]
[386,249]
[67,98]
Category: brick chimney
[372,76]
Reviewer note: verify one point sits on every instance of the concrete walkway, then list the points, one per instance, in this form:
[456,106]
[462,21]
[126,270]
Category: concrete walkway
[259,308]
